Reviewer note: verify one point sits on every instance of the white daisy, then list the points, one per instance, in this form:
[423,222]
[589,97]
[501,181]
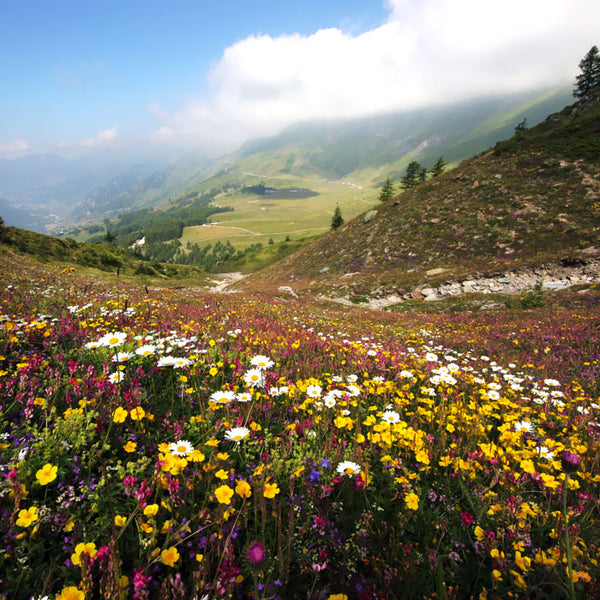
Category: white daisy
[223,397]
[329,401]
[524,426]
[236,434]
[116,377]
[181,448]
[180,363]
[113,339]
[243,397]
[262,362]
[166,361]
[391,417]
[348,467]
[254,378]
[279,391]
[145,350]
[121,357]
[551,382]
[544,452]
[314,391]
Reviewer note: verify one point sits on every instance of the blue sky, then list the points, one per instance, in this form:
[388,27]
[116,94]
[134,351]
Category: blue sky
[88,74]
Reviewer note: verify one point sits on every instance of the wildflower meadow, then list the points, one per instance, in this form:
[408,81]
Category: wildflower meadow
[177,444]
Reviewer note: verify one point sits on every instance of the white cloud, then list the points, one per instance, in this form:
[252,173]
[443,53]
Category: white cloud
[14,147]
[102,138]
[428,52]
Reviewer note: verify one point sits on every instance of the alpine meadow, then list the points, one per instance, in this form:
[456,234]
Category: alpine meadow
[313,374]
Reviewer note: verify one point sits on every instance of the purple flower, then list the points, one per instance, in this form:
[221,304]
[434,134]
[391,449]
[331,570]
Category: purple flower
[570,462]
[325,463]
[256,554]
[314,476]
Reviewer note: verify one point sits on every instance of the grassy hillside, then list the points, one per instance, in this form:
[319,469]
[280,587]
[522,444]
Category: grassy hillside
[532,199]
[344,163]
[69,253]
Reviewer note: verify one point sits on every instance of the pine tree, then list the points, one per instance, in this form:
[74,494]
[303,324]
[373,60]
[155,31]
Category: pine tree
[387,191]
[439,167]
[337,220]
[413,175]
[589,78]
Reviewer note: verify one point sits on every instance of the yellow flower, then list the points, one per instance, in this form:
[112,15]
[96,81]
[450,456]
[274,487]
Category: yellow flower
[196,456]
[445,461]
[130,446]
[412,501]
[199,557]
[89,549]
[271,490]
[337,597]
[71,593]
[550,481]
[146,528]
[151,510]
[519,581]
[221,474]
[27,516]
[523,562]
[243,489]
[46,474]
[120,415]
[120,520]
[527,466]
[169,556]
[137,413]
[213,371]
[422,456]
[224,494]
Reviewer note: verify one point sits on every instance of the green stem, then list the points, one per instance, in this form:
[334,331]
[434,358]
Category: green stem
[567,541]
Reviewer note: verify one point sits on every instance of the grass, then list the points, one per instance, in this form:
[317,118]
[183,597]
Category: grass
[258,218]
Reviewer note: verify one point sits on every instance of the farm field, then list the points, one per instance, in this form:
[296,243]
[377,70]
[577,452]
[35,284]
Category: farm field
[174,443]
[258,218]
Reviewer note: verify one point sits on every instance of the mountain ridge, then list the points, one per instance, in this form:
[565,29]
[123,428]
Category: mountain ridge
[531,200]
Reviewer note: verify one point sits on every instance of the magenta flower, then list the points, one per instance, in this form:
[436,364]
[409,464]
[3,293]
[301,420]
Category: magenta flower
[256,554]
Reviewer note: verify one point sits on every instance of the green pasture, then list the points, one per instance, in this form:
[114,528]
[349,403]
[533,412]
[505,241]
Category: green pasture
[259,218]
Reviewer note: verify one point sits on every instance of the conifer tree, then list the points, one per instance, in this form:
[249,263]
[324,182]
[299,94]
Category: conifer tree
[413,175]
[439,167]
[387,191]
[337,220]
[589,78]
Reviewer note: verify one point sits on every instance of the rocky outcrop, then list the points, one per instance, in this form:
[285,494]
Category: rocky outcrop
[553,276]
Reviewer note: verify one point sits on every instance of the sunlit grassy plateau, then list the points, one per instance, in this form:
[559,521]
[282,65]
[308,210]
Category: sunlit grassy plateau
[176,443]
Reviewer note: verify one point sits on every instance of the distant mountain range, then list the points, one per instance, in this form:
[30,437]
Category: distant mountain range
[46,192]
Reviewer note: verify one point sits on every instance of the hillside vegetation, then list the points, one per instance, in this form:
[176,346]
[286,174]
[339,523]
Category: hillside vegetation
[532,199]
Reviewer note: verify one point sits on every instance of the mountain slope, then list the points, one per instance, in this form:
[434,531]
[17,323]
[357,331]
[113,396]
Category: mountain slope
[368,150]
[531,200]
